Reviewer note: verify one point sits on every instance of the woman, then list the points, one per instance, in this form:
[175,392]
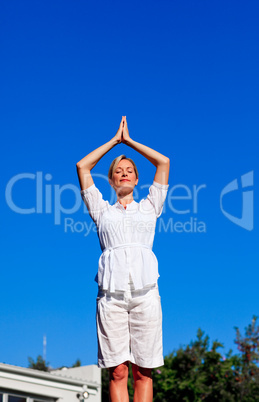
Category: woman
[129,318]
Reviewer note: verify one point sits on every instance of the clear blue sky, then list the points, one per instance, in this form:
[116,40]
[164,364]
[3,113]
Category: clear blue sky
[186,76]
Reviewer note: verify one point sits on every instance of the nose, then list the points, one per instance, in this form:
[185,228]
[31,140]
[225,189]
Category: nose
[124,173]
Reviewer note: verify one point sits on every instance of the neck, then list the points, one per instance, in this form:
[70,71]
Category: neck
[124,200]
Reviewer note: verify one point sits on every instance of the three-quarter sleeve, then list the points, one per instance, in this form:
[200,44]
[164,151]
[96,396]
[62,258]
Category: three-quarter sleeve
[156,197]
[94,202]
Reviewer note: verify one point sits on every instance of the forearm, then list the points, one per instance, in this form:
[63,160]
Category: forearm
[153,156]
[90,160]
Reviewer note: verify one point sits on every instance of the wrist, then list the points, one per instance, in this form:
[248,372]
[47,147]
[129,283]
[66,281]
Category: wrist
[128,141]
[114,141]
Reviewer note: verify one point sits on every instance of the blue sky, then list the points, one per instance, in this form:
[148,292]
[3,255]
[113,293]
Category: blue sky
[186,76]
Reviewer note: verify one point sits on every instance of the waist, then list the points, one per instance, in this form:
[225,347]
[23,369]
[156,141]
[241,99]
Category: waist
[130,291]
[125,245]
[113,268]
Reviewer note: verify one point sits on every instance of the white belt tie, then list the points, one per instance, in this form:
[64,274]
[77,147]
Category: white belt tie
[108,253]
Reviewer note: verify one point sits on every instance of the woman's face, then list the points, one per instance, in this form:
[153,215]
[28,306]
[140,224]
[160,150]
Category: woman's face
[124,177]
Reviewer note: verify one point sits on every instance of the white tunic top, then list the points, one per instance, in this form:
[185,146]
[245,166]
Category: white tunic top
[126,237]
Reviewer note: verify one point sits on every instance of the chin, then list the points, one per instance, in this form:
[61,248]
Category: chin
[124,190]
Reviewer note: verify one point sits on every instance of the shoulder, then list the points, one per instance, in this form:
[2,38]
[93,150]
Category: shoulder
[88,190]
[160,186]
[155,198]
[94,202]
[91,193]
[157,189]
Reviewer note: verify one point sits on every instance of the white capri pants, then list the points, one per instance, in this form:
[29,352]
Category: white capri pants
[129,327]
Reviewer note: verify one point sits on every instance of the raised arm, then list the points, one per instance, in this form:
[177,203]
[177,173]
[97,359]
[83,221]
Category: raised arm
[85,165]
[161,162]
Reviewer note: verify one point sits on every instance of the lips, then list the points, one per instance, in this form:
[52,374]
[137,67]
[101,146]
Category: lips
[125,180]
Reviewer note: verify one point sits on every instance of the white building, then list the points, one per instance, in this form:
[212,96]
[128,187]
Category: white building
[19,384]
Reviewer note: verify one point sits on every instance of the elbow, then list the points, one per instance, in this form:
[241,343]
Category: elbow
[166,161]
[82,167]
[78,165]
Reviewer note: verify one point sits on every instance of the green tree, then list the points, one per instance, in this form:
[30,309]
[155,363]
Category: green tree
[195,373]
[247,370]
[39,364]
[77,363]
[105,385]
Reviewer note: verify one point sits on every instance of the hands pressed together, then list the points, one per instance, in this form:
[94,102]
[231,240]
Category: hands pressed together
[86,164]
[122,134]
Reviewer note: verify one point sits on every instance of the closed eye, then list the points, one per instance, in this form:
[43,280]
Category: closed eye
[128,170]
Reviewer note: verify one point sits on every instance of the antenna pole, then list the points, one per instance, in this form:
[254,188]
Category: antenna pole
[44,347]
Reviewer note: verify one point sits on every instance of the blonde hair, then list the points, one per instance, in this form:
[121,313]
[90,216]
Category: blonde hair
[115,163]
